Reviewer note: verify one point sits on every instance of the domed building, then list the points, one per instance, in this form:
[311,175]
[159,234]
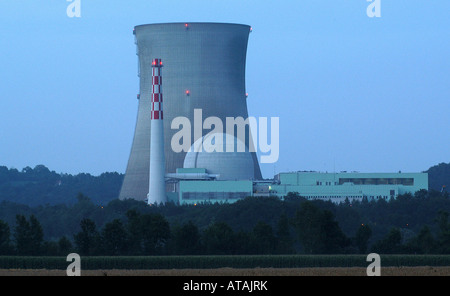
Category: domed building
[217,168]
[221,154]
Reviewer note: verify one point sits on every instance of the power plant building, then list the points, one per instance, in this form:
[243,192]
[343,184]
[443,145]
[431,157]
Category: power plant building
[204,73]
[336,187]
[204,69]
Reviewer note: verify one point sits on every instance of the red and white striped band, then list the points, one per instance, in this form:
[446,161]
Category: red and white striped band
[156,98]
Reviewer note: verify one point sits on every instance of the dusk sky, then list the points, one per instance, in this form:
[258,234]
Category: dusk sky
[352,93]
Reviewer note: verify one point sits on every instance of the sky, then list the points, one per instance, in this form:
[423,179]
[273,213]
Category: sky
[352,92]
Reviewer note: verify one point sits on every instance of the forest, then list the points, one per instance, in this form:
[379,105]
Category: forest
[40,186]
[409,224]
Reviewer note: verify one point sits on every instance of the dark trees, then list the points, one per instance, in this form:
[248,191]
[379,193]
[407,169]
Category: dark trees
[218,239]
[362,237]
[417,223]
[5,239]
[88,239]
[390,244]
[148,233]
[114,238]
[28,235]
[186,239]
[318,232]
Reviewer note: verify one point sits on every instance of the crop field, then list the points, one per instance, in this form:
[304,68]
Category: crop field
[267,265]
[317,271]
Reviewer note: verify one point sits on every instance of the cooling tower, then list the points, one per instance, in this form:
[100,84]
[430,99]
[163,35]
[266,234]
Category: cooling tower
[204,68]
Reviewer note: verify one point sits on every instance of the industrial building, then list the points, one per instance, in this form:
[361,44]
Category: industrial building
[204,68]
[193,190]
[336,187]
[352,186]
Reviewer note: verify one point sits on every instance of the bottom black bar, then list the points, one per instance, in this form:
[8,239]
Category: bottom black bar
[222,285]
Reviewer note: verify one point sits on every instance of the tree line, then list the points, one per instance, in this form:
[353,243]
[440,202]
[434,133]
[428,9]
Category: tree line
[311,227]
[40,186]
[43,199]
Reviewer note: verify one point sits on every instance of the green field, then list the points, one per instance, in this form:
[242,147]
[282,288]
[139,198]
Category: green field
[208,262]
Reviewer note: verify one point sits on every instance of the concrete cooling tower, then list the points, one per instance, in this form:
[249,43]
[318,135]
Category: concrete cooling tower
[204,68]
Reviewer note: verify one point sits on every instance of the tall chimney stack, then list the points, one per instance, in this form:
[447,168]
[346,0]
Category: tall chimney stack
[157,186]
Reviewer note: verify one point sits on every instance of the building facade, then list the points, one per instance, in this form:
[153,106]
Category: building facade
[352,186]
[194,186]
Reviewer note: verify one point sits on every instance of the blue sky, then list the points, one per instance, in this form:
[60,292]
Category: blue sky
[352,93]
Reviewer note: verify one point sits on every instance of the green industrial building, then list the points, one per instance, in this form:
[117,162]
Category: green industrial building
[193,192]
[195,185]
[352,186]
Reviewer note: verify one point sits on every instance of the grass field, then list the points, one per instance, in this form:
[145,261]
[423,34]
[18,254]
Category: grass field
[255,265]
[318,271]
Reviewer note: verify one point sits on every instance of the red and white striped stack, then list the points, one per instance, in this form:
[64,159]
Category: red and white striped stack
[157,97]
[157,187]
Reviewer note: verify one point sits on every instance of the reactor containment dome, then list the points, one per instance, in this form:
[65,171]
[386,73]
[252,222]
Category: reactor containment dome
[219,155]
